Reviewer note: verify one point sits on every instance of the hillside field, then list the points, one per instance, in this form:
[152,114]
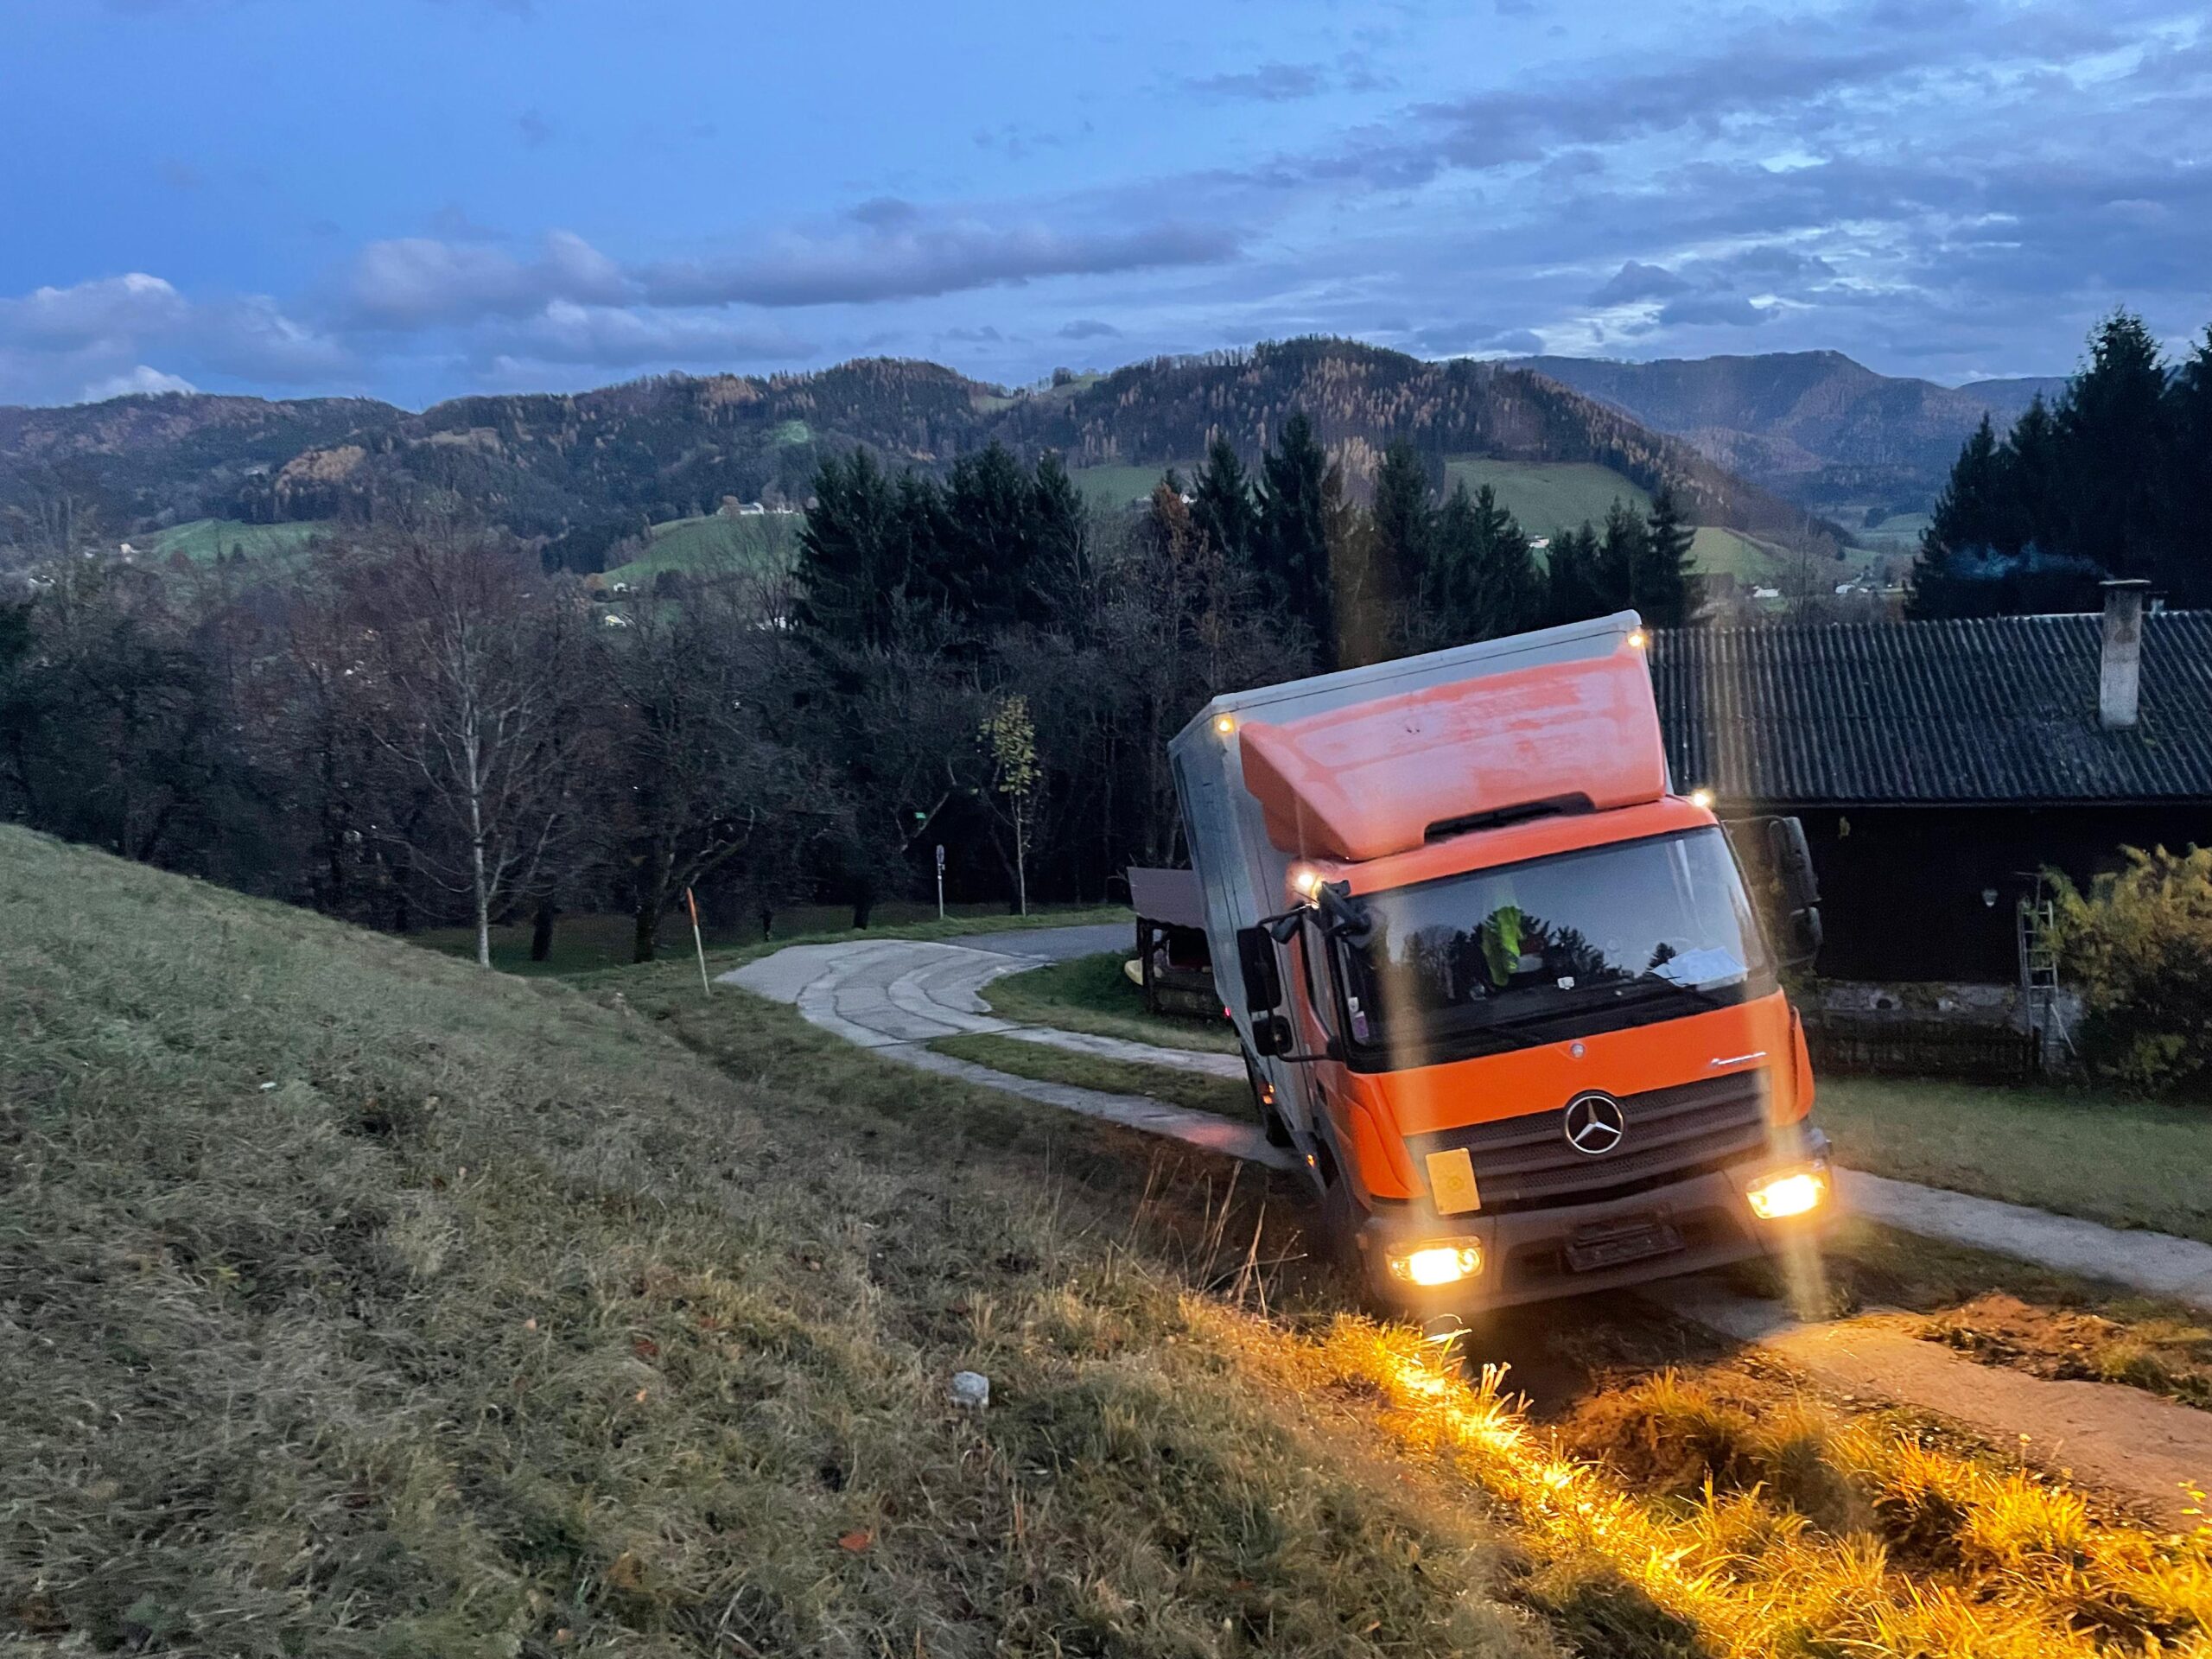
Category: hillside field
[1547,496]
[1111,488]
[202,540]
[764,543]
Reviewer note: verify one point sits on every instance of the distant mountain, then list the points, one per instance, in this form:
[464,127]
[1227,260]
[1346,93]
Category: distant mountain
[187,454]
[675,445]
[1814,427]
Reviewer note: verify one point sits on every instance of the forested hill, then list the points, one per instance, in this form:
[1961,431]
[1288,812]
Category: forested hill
[1814,427]
[187,453]
[675,445]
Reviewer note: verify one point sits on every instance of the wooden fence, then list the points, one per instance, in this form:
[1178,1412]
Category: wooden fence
[1885,1045]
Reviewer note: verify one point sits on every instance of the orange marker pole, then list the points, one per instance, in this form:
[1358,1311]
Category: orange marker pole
[698,944]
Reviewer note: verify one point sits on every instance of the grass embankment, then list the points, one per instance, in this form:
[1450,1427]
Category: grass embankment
[1091,994]
[1223,1096]
[2126,1163]
[508,1322]
[356,1302]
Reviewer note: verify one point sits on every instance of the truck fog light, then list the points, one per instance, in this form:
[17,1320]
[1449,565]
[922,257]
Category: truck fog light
[1793,1193]
[1437,1264]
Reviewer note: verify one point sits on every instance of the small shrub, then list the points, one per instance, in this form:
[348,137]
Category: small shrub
[2139,946]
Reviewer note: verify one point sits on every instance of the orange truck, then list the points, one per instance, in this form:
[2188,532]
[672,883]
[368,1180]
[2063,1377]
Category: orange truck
[1500,985]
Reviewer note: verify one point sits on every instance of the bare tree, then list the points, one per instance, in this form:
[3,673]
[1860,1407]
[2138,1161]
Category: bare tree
[477,659]
[703,774]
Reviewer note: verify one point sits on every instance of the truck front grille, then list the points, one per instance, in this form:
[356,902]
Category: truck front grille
[1524,1162]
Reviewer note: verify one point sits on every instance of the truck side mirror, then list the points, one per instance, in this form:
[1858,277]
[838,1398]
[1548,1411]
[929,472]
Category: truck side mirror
[1271,1034]
[1805,933]
[1255,957]
[1793,862]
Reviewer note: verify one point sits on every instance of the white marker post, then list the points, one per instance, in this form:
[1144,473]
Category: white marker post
[698,944]
[940,880]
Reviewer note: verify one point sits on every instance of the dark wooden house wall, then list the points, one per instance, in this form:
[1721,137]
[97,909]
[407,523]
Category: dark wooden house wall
[1902,885]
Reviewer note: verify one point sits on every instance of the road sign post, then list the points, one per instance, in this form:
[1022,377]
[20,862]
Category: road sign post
[940,880]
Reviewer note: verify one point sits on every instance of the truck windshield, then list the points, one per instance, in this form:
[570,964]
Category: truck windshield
[1613,935]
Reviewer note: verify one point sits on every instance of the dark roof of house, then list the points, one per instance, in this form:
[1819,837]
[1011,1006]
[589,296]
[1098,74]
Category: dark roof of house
[1997,709]
[1171,898]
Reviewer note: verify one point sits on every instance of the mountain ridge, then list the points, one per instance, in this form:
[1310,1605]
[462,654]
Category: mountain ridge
[668,446]
[1818,428]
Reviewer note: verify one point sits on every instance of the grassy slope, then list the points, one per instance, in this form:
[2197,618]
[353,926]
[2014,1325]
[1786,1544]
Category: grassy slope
[202,539]
[1547,496]
[2125,1163]
[1111,487]
[1092,994]
[759,543]
[356,1302]
[1225,1097]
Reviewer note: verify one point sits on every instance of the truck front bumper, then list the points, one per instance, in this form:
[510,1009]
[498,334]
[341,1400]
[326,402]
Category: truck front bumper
[1702,1221]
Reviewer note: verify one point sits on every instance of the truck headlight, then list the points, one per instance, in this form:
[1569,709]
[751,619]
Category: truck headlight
[1431,1265]
[1792,1192]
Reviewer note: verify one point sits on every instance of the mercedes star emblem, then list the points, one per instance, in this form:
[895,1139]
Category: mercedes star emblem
[1594,1124]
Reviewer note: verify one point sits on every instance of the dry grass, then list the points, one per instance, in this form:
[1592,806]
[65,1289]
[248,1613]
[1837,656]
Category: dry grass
[502,1324]
[497,1324]
[1683,1522]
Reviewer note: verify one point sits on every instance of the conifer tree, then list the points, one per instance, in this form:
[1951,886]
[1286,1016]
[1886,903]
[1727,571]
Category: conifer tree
[1404,526]
[1222,505]
[2111,424]
[1659,586]
[1575,584]
[1300,496]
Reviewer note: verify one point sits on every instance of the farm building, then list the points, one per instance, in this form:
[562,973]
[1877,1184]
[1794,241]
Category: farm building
[1938,765]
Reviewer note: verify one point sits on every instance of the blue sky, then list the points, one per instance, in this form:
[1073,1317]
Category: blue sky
[418,199]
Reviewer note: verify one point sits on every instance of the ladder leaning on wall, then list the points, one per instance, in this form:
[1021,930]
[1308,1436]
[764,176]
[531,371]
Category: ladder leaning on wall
[2039,998]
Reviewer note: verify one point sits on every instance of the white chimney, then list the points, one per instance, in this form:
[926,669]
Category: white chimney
[2120,665]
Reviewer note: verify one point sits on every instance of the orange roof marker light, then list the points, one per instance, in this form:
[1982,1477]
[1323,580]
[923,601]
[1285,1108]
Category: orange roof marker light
[1637,639]
[1701,797]
[1224,724]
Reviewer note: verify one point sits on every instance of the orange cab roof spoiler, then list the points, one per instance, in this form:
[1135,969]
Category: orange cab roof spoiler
[1377,777]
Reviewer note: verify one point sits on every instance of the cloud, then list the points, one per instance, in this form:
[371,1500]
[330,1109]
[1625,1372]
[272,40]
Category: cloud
[913,261]
[884,213]
[143,377]
[615,336]
[535,129]
[414,282]
[1636,281]
[1271,83]
[1467,339]
[1731,310]
[106,309]
[97,334]
[1088,328]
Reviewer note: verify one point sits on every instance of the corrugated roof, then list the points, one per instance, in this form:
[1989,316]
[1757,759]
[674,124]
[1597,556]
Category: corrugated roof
[1987,710]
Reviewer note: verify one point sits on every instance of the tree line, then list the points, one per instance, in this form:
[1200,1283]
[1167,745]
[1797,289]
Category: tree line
[417,722]
[2110,481]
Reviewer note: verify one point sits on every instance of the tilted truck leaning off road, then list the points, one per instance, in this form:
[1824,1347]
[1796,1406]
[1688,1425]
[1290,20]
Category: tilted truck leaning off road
[1502,988]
